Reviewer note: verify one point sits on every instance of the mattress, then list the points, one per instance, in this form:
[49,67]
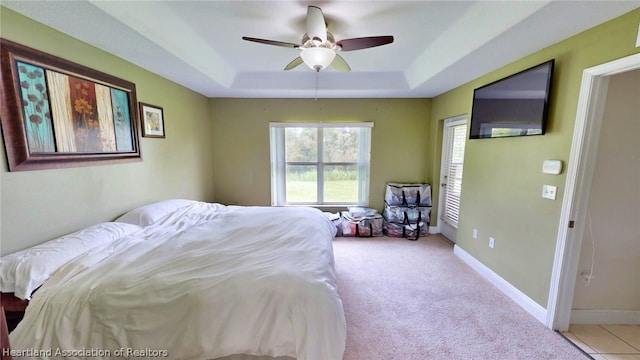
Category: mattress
[205,282]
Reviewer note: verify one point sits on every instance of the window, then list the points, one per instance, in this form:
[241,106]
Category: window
[320,164]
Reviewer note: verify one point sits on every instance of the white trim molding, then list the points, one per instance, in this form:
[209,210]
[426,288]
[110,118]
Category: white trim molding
[532,307]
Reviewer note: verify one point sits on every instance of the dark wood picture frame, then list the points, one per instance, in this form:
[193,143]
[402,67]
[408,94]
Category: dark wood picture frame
[56,113]
[151,120]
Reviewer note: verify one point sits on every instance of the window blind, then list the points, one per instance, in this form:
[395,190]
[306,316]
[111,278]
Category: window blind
[455,158]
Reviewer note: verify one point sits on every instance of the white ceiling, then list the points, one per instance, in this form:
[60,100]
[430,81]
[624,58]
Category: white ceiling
[438,45]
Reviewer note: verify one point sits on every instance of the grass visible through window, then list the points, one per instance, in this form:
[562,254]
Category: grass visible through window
[335,191]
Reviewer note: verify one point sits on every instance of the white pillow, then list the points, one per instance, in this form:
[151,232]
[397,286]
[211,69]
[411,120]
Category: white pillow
[24,271]
[151,213]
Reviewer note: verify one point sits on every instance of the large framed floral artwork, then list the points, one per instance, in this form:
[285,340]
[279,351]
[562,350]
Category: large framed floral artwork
[56,113]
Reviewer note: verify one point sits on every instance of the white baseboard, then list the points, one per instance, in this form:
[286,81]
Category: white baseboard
[511,291]
[605,317]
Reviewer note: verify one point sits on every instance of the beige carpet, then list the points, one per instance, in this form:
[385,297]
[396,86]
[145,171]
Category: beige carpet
[415,300]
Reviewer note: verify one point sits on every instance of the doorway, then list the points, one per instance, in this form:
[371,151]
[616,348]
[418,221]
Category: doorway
[453,141]
[580,171]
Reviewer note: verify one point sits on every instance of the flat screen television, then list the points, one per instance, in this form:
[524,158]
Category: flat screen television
[513,106]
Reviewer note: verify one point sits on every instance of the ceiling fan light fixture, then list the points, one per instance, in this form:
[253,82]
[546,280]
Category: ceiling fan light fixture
[317,58]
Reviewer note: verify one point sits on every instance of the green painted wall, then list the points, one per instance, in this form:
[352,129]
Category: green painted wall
[502,184]
[39,205]
[400,148]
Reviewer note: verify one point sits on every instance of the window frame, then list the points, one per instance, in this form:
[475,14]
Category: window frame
[456,129]
[279,164]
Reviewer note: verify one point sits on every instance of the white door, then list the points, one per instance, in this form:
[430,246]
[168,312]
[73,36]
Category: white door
[453,140]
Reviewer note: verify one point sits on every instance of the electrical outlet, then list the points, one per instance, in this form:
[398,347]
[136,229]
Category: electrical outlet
[492,242]
[549,192]
[475,233]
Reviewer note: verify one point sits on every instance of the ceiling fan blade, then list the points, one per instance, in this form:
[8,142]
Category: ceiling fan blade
[271,42]
[297,61]
[364,42]
[340,65]
[316,25]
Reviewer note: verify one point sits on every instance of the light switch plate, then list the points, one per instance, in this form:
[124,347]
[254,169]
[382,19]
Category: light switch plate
[638,39]
[549,192]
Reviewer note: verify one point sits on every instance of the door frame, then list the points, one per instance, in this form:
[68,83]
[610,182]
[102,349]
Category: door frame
[448,122]
[581,164]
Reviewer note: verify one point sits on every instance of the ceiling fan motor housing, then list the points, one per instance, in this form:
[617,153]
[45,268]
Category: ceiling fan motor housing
[308,42]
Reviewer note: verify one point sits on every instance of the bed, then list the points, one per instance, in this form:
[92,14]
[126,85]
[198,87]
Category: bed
[183,279]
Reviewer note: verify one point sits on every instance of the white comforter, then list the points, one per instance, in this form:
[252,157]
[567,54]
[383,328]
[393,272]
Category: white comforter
[206,282]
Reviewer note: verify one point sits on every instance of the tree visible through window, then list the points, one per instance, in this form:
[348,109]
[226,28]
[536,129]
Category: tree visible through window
[320,164]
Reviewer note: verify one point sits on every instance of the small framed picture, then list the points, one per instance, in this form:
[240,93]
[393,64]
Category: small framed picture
[152,120]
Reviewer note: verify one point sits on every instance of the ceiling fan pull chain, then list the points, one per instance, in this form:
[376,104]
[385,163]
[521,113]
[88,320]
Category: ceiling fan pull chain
[317,83]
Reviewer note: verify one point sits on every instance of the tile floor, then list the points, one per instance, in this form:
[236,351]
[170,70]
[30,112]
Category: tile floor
[607,342]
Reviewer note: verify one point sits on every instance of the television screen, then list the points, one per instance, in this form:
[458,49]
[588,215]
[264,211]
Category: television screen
[514,106]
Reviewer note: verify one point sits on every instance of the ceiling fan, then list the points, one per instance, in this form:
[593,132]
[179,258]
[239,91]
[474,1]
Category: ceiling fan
[318,48]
